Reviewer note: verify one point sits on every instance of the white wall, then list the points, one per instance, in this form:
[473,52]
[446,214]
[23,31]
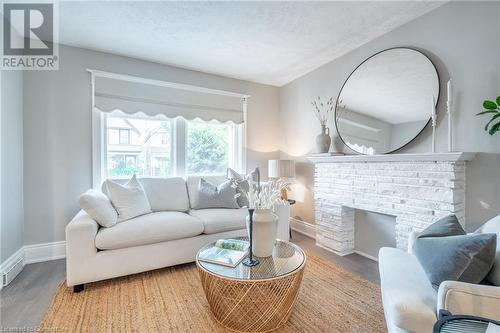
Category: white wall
[463,41]
[11,209]
[57,127]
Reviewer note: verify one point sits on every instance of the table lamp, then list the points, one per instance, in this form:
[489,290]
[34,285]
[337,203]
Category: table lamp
[281,169]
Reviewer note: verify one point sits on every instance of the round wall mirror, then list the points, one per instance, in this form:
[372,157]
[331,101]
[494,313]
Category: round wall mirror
[387,101]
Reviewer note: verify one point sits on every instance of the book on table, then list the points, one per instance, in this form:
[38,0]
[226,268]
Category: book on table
[226,252]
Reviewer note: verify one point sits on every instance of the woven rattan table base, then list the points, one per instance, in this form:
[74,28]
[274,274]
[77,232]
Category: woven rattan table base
[251,305]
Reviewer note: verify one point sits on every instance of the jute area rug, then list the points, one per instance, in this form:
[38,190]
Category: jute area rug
[172,300]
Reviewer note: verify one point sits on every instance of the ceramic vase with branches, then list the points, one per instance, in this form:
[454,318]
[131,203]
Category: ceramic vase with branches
[263,199]
[322,112]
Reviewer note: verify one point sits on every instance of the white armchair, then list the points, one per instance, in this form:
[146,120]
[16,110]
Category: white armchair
[471,299]
[410,303]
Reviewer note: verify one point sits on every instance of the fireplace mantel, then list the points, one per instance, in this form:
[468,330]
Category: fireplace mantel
[417,189]
[420,157]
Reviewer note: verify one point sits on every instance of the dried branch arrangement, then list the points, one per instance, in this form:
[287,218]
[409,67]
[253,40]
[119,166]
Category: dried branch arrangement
[263,196]
[321,111]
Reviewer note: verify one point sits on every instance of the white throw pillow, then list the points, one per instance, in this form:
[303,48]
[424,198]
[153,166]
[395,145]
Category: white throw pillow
[129,200]
[99,208]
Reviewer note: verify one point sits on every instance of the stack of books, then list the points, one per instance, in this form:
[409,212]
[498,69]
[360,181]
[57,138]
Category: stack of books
[226,252]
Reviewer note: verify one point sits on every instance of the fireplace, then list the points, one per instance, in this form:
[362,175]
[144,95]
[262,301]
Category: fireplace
[417,189]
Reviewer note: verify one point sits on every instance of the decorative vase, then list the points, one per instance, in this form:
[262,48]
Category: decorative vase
[323,140]
[264,232]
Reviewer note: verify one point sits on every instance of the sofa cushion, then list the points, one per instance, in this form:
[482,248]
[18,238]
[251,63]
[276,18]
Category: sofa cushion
[99,208]
[193,187]
[166,194]
[408,297]
[211,196]
[217,220]
[493,226]
[129,200]
[148,229]
[242,184]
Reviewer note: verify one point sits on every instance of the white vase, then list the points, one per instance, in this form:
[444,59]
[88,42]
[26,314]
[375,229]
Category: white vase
[264,232]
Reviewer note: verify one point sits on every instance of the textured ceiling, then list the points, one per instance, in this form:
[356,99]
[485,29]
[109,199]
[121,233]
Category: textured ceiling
[266,42]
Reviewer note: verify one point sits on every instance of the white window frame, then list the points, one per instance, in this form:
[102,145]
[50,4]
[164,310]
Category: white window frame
[235,149]
[178,152]
[102,146]
[179,139]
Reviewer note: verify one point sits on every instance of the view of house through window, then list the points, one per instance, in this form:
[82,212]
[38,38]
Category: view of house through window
[149,146]
[140,146]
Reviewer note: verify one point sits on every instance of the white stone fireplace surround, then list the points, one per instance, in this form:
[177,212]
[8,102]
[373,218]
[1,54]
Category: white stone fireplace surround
[417,189]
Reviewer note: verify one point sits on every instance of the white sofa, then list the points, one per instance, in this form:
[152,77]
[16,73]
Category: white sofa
[412,305]
[172,234]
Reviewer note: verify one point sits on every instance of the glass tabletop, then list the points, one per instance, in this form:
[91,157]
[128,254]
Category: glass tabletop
[286,258]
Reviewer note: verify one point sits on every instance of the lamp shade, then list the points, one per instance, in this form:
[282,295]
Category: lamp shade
[281,168]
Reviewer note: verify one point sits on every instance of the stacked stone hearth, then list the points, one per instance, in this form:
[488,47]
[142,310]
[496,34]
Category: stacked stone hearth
[417,189]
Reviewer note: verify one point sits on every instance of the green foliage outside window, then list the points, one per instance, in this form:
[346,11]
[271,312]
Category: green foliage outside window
[208,148]
[122,166]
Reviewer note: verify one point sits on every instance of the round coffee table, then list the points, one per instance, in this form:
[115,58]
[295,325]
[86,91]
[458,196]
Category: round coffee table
[254,299]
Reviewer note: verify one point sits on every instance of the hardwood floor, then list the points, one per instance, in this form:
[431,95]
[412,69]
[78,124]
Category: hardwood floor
[364,267]
[24,301]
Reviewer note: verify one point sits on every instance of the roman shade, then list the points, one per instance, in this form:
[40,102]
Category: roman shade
[133,95]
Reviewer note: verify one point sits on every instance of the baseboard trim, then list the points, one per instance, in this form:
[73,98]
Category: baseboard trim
[44,252]
[30,254]
[366,255]
[303,227]
[9,264]
[309,230]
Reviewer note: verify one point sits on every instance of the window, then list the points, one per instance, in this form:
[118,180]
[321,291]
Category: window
[208,147]
[159,147]
[124,136]
[135,145]
[121,165]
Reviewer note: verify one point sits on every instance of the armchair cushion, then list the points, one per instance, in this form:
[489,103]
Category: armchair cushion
[471,299]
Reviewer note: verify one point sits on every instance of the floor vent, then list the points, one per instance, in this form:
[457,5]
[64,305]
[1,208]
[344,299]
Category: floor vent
[12,272]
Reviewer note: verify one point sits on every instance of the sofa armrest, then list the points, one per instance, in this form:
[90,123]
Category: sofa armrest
[469,299]
[80,244]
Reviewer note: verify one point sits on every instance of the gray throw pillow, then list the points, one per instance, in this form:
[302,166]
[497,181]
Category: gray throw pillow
[211,196]
[242,184]
[446,252]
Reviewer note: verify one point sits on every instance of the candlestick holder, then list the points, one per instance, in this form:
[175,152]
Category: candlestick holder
[448,107]
[250,260]
[433,122]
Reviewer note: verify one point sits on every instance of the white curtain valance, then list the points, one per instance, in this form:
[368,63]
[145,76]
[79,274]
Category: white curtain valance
[111,94]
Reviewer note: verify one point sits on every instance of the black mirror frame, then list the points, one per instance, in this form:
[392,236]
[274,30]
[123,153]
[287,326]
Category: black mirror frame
[347,79]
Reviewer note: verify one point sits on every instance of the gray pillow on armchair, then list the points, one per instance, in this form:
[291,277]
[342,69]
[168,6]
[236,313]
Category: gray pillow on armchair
[446,252]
